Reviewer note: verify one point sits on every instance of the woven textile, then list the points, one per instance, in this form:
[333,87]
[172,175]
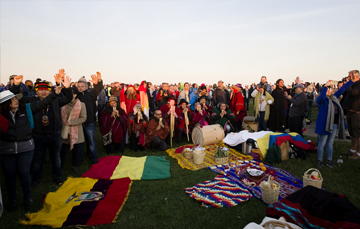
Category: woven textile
[289,183]
[219,192]
[209,157]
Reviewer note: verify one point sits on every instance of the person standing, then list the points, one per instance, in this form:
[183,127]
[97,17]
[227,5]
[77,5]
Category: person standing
[88,97]
[278,111]
[237,106]
[16,140]
[297,110]
[262,102]
[247,95]
[221,95]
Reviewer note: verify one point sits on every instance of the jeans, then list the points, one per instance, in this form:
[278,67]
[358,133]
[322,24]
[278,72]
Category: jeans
[327,140]
[89,133]
[261,121]
[43,142]
[17,164]
[76,152]
[247,101]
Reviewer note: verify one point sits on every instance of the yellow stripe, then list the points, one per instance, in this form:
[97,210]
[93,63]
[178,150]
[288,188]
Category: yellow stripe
[55,210]
[132,167]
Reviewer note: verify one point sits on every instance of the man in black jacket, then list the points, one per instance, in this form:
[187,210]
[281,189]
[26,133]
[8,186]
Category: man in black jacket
[47,127]
[88,96]
[297,110]
[221,95]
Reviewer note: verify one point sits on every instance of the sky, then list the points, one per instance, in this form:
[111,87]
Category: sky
[173,41]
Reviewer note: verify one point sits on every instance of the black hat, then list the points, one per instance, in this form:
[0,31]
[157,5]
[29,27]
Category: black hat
[183,101]
[203,97]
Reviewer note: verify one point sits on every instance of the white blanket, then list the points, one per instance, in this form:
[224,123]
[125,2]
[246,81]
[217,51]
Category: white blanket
[234,139]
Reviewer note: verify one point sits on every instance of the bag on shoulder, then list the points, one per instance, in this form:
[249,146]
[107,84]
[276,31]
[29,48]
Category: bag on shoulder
[107,138]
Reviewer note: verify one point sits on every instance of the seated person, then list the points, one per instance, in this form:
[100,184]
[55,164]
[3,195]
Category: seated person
[224,116]
[114,119]
[183,125]
[203,100]
[137,125]
[200,116]
[157,130]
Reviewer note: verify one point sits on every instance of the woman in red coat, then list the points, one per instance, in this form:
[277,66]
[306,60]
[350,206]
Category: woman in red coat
[114,119]
[237,106]
[129,98]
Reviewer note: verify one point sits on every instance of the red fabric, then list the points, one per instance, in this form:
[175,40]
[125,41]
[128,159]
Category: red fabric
[4,123]
[280,140]
[115,197]
[158,97]
[181,149]
[165,108]
[198,118]
[104,168]
[237,104]
[177,93]
[209,109]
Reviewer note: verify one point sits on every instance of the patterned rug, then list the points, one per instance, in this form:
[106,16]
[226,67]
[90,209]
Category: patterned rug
[236,172]
[219,192]
[209,157]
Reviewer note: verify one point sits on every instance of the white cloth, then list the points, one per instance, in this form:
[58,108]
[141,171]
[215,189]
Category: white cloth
[266,219]
[262,105]
[234,139]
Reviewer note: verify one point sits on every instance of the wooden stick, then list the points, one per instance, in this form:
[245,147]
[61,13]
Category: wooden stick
[187,125]
[172,122]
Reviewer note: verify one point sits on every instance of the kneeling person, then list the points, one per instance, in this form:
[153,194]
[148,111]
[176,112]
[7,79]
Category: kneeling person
[156,132]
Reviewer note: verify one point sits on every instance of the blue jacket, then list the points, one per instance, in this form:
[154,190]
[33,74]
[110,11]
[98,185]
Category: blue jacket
[192,98]
[323,103]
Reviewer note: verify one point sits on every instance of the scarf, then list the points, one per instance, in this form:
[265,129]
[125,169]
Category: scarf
[74,114]
[330,117]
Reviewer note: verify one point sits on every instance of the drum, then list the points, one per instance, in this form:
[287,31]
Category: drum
[207,135]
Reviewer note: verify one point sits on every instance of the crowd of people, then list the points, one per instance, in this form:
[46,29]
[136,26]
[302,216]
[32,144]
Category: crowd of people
[60,117]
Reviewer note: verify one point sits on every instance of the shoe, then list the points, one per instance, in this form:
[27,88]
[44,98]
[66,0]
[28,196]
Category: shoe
[75,169]
[347,153]
[355,156]
[28,204]
[348,137]
[35,183]
[330,164]
[11,206]
[320,164]
[58,181]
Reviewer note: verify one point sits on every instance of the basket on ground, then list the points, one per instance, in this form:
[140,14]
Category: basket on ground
[198,156]
[187,153]
[270,191]
[313,181]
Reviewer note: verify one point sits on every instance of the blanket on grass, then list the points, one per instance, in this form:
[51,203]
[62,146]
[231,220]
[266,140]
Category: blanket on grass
[271,139]
[289,183]
[82,201]
[209,157]
[136,168]
[219,192]
[311,207]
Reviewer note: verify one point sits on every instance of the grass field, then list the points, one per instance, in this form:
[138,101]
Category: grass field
[164,204]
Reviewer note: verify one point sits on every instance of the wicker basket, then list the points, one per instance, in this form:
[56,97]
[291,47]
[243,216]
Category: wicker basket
[270,195]
[251,126]
[188,154]
[198,156]
[308,181]
[221,160]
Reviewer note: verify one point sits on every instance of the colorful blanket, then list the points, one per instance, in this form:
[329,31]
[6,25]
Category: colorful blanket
[311,207]
[82,201]
[136,168]
[289,183]
[209,157]
[219,192]
[271,139]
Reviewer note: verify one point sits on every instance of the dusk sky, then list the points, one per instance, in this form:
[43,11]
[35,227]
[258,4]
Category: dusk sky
[178,41]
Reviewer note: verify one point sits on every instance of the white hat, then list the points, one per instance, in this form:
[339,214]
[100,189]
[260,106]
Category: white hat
[6,95]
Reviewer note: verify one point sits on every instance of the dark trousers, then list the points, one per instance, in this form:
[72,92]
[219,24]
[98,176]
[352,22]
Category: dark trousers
[261,121]
[112,147]
[158,142]
[134,143]
[89,134]
[247,101]
[43,142]
[295,124]
[17,164]
[76,152]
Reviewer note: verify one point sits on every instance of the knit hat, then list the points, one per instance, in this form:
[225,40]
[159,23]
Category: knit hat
[82,80]
[237,87]
[43,85]
[113,98]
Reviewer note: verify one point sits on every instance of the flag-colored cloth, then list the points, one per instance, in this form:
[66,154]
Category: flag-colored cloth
[219,192]
[274,138]
[144,100]
[209,159]
[82,201]
[136,168]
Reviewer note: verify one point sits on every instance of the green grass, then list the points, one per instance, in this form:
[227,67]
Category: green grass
[164,204]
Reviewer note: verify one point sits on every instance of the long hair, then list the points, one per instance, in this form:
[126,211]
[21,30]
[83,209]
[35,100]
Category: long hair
[5,108]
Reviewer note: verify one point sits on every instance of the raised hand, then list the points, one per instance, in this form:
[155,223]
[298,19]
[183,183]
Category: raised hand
[62,73]
[66,81]
[57,78]
[18,79]
[98,74]
[57,89]
[94,79]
